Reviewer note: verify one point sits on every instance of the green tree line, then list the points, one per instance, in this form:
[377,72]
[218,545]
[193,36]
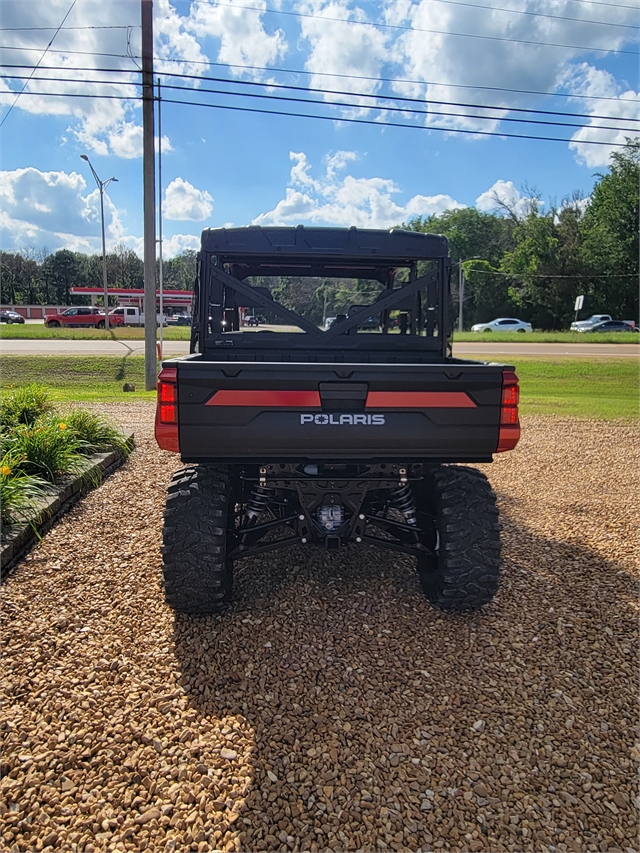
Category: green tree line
[43,278]
[529,263]
[532,264]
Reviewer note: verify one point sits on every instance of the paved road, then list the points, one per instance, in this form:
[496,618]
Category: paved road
[171,348]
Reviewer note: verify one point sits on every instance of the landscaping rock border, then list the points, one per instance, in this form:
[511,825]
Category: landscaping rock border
[19,539]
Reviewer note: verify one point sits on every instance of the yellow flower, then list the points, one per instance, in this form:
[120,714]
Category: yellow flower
[5,470]
[62,426]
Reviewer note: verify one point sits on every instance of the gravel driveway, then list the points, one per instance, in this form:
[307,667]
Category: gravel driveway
[332,708]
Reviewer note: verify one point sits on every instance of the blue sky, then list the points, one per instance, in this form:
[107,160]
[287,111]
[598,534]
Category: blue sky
[484,62]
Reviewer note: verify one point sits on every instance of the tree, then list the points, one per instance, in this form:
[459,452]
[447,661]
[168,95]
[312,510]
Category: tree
[610,236]
[62,271]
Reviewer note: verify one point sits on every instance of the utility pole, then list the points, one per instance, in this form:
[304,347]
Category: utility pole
[102,185]
[461,280]
[149,183]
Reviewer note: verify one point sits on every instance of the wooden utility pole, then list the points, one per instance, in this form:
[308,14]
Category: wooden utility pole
[149,175]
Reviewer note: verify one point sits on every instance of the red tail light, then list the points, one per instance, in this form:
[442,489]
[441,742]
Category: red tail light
[167,410]
[509,434]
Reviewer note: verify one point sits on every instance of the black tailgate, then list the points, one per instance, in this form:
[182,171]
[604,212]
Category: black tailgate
[269,411]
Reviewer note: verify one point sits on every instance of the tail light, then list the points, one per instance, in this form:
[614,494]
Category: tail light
[167,410]
[509,434]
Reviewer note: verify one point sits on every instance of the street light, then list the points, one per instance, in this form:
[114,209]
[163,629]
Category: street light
[461,286]
[102,185]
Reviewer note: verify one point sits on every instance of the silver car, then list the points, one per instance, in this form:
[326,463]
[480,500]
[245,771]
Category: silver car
[503,324]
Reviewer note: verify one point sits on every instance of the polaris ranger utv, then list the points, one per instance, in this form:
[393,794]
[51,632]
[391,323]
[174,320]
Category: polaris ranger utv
[330,437]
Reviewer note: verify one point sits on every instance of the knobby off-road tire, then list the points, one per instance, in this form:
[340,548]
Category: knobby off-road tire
[466,571]
[198,577]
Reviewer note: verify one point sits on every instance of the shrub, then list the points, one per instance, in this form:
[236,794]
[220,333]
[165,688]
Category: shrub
[18,493]
[25,405]
[47,449]
[95,433]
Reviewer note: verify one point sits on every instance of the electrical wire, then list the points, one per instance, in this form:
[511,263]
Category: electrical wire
[8,113]
[270,85]
[271,70]
[341,119]
[536,14]
[419,29]
[66,29]
[384,108]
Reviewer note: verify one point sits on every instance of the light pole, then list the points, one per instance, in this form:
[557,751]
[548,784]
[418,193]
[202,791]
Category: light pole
[102,185]
[461,287]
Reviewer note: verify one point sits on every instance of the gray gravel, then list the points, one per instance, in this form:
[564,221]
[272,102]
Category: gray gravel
[332,708]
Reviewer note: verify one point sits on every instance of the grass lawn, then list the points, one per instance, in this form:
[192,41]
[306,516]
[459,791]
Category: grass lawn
[582,388]
[547,337]
[31,331]
[37,331]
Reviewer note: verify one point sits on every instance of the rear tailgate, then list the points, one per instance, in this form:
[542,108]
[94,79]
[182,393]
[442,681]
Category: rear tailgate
[270,411]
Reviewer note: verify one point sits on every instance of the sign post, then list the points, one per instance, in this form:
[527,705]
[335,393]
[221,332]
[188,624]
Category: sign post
[578,305]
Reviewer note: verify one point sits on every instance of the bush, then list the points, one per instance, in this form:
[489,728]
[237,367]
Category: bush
[46,449]
[95,433]
[25,405]
[18,493]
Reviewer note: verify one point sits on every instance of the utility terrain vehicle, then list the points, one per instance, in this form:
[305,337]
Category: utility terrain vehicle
[295,435]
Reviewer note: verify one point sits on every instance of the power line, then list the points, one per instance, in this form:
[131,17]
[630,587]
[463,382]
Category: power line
[537,14]
[385,108]
[66,29]
[6,115]
[500,107]
[542,275]
[303,71]
[341,119]
[420,29]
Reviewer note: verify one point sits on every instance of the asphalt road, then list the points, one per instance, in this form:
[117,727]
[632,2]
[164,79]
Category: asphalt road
[171,348]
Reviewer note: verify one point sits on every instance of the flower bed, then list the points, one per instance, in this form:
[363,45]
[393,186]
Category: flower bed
[48,459]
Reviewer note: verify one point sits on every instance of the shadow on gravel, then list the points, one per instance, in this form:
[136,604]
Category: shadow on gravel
[379,722]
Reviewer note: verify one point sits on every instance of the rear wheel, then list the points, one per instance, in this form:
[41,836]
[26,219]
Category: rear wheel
[198,577]
[53,324]
[100,325]
[458,515]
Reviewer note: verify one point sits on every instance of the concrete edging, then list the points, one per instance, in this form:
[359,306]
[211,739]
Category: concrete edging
[18,540]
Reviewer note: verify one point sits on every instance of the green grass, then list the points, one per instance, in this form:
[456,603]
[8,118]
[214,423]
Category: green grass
[36,331]
[73,378]
[579,388]
[33,331]
[547,337]
[582,388]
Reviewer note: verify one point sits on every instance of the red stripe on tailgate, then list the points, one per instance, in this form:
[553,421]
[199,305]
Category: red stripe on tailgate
[269,399]
[419,400]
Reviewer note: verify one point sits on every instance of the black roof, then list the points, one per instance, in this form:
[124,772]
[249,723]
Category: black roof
[394,246]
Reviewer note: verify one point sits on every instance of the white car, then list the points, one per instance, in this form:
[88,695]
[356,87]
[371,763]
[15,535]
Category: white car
[503,324]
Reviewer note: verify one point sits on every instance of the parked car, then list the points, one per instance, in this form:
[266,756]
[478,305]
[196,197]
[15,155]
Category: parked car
[252,321]
[503,324]
[80,316]
[179,320]
[611,326]
[11,317]
[129,316]
[585,325]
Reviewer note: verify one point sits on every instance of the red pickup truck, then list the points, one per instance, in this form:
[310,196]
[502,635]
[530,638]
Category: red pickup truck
[79,316]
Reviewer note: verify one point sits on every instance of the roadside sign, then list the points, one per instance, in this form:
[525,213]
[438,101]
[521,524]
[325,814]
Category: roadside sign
[579,303]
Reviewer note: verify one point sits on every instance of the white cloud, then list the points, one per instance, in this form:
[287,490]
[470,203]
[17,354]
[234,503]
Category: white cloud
[344,201]
[183,201]
[504,196]
[438,57]
[622,106]
[51,209]
[341,47]
[243,37]
[172,246]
